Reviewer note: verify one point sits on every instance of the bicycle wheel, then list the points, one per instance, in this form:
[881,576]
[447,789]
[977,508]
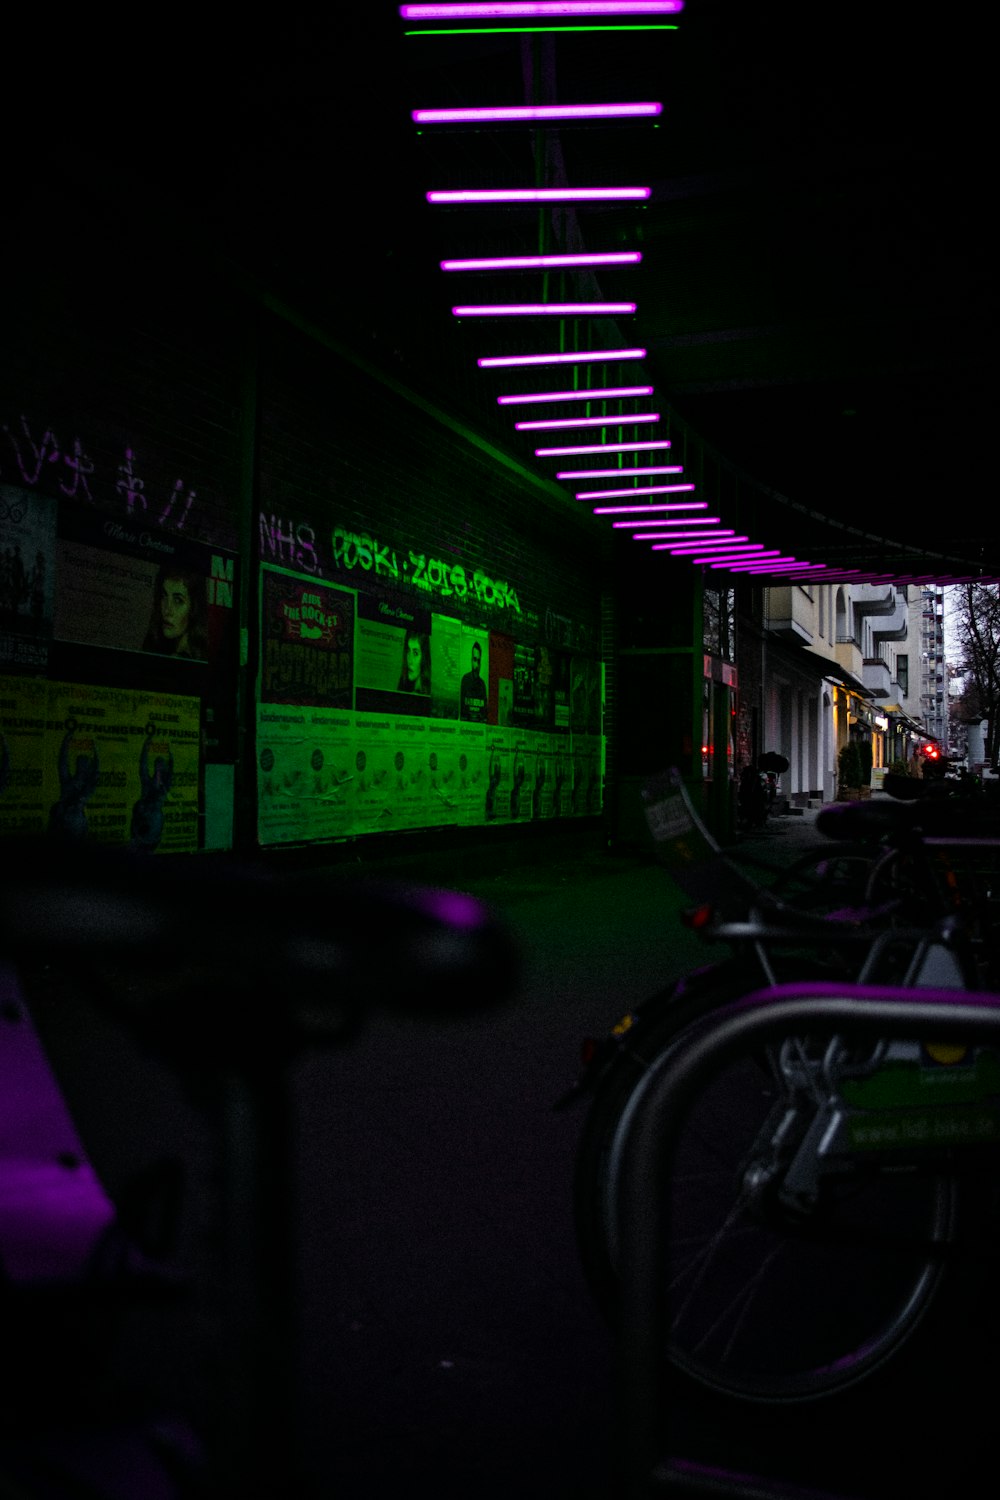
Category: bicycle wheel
[762,1305]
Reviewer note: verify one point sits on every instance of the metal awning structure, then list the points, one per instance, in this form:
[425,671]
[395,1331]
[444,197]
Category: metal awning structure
[816,272]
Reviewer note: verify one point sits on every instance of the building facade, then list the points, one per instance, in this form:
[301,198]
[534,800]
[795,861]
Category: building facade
[826,665]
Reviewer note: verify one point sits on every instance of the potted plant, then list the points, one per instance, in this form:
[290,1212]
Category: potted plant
[849,773]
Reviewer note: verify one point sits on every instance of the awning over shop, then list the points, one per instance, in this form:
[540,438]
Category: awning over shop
[820,666]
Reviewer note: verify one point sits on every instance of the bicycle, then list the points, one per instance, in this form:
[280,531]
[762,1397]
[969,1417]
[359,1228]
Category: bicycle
[814,1198]
[228,972]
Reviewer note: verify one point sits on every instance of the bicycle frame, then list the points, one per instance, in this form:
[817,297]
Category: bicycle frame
[862,1012]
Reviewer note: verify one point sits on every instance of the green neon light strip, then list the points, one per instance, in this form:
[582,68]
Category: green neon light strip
[517,30]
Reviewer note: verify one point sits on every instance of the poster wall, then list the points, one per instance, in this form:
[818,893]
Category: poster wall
[99,764]
[27,547]
[377,715]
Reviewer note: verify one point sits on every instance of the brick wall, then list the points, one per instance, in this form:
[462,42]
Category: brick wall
[179,411]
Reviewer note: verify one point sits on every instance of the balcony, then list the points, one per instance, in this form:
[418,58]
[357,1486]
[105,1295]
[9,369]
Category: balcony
[848,655]
[876,677]
[875,599]
[791,614]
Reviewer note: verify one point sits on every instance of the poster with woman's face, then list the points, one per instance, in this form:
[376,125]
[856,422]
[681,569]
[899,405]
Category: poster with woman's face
[133,589]
[395,659]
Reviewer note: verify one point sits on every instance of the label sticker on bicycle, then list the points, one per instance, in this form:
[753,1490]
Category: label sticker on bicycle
[668,819]
[898,1129]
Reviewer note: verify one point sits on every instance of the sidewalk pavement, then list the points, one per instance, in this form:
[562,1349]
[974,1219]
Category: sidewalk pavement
[447,1339]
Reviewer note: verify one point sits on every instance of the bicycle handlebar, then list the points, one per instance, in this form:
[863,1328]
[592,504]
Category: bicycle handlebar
[255,935]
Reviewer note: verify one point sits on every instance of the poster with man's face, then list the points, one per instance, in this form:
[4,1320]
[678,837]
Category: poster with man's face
[474,686]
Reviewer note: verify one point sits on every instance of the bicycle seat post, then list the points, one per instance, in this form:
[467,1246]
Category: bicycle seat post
[257,1448]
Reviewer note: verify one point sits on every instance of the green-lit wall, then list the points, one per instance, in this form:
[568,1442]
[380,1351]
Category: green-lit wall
[317,507]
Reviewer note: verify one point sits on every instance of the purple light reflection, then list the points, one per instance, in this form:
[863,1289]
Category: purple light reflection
[452,907]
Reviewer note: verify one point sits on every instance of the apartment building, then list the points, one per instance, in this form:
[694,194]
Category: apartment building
[835,666]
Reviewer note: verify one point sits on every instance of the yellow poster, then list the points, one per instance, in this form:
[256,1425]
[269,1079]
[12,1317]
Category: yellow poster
[107,765]
[23,713]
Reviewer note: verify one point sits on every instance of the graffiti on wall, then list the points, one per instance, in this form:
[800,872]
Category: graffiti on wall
[379,712]
[71,470]
[289,544]
[294,544]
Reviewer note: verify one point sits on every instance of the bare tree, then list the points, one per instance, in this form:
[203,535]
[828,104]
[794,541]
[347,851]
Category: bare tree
[977,618]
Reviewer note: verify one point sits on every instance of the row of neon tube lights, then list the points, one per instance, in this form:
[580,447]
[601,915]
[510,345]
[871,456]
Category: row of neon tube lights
[702,539]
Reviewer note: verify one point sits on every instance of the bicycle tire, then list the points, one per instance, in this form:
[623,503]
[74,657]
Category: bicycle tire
[758,1308]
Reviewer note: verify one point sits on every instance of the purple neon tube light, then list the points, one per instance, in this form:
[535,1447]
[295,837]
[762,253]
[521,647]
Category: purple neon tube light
[670,542]
[655,489]
[541,309]
[709,522]
[711,541]
[719,551]
[681,548]
[734,549]
[601,448]
[627,510]
[519,10]
[544,262]
[619,421]
[487,114]
[507,361]
[594,393]
[670,539]
[734,553]
[619,473]
[537,195]
[758,565]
